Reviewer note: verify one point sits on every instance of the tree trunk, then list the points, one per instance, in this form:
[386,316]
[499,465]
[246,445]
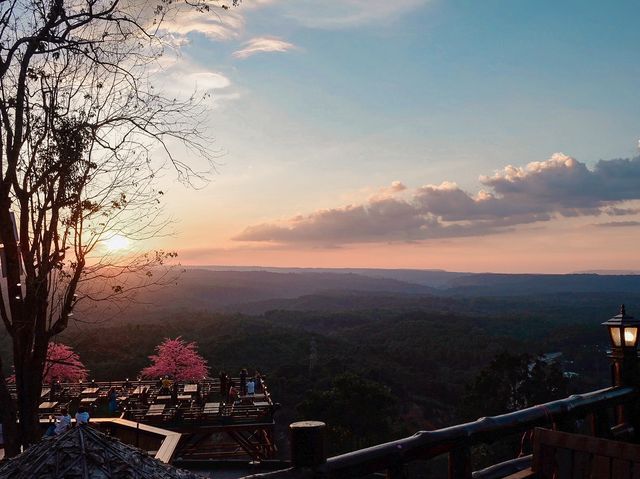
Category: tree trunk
[29,389]
[28,404]
[8,418]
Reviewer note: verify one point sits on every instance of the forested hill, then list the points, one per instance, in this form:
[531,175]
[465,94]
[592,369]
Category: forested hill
[519,284]
[419,346]
[255,292]
[411,281]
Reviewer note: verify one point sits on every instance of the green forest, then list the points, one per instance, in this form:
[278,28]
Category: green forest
[374,365]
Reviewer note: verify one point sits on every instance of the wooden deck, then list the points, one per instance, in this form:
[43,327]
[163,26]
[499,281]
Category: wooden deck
[192,402]
[167,440]
[207,426]
[562,455]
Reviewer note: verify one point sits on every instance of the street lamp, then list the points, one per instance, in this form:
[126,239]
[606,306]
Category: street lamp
[623,332]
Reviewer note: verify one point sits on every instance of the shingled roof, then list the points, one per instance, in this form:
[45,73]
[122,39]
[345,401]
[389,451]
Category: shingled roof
[83,453]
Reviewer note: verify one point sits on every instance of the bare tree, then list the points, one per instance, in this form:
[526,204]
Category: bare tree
[81,133]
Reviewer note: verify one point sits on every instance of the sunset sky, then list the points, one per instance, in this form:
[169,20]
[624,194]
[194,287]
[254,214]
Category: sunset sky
[462,135]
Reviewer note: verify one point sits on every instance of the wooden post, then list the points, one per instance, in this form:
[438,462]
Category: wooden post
[307,443]
[398,471]
[600,426]
[460,463]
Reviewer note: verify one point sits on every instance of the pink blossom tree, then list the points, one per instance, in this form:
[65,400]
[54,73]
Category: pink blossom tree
[177,359]
[62,364]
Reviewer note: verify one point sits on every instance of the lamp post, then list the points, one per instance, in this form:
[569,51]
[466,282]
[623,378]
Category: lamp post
[623,333]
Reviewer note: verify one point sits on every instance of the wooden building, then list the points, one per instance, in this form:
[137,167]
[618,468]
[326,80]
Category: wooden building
[83,453]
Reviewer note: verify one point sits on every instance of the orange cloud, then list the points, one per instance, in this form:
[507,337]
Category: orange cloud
[560,186]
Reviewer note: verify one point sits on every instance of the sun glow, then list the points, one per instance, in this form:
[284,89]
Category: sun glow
[116,243]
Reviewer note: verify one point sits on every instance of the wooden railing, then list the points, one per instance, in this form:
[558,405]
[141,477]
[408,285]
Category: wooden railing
[456,441]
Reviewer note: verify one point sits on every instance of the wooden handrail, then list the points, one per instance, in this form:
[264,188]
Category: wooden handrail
[459,438]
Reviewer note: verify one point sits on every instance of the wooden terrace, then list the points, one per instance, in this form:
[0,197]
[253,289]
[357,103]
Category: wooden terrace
[211,426]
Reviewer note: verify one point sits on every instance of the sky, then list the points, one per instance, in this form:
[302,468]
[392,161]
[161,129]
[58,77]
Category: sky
[432,134]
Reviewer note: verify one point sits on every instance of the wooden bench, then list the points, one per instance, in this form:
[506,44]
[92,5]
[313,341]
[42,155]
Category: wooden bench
[155,410]
[561,455]
[211,408]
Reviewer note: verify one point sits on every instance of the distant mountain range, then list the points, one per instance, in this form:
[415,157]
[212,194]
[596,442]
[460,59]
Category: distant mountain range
[610,272]
[257,290]
[447,282]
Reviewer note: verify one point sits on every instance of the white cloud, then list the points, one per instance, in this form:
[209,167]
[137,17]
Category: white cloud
[217,24]
[336,14]
[206,80]
[560,186]
[263,45]
[179,77]
[390,191]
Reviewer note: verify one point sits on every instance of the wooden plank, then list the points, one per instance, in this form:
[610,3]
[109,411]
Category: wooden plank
[620,469]
[601,467]
[581,465]
[526,474]
[547,461]
[398,471]
[564,462]
[535,463]
[155,410]
[168,448]
[460,463]
[592,445]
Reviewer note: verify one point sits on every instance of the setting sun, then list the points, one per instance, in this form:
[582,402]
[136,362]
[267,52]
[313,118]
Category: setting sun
[116,243]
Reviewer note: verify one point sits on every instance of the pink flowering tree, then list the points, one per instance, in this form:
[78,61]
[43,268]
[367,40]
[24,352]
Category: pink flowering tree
[178,359]
[62,364]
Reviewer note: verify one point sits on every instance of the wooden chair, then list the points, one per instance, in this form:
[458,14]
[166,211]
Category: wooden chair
[561,455]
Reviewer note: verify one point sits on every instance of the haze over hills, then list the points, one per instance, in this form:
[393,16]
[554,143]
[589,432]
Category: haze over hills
[255,291]
[448,282]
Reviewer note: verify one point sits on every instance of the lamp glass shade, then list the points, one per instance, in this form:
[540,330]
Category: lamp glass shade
[616,337]
[630,336]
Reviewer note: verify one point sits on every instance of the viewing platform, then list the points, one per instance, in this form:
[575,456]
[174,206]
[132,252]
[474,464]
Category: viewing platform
[210,426]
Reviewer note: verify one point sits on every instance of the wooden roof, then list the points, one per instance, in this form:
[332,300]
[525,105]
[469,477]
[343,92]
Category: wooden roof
[83,453]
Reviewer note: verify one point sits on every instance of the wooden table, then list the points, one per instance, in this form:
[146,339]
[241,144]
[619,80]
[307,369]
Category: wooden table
[211,408]
[88,391]
[88,400]
[48,405]
[163,398]
[184,397]
[155,410]
[261,404]
[139,390]
[45,392]
[190,388]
